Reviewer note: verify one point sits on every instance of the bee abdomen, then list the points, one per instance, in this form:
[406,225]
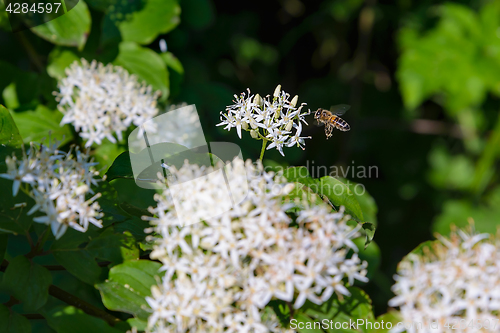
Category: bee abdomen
[341,124]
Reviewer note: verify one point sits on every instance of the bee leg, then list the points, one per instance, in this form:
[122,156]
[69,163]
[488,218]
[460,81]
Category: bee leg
[328,131]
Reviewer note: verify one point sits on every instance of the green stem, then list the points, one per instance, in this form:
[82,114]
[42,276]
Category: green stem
[264,144]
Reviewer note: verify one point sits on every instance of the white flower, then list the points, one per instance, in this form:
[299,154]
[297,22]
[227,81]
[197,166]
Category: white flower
[222,272]
[269,118]
[457,282]
[103,101]
[297,139]
[59,183]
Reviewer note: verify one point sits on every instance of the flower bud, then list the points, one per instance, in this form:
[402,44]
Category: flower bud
[244,125]
[82,189]
[294,101]
[253,134]
[289,126]
[277,91]
[257,100]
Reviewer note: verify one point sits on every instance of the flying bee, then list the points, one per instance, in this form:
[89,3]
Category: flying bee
[332,120]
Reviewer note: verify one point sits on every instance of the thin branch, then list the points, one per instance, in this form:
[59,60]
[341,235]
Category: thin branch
[32,54]
[290,307]
[81,304]
[3,265]
[61,268]
[11,302]
[71,300]
[34,316]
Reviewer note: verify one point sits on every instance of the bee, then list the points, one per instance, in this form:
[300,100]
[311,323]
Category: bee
[332,120]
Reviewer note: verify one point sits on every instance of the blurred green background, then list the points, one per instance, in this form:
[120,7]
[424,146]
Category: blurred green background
[422,77]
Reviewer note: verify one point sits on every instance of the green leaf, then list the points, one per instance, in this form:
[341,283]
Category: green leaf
[12,322]
[340,195]
[371,253]
[4,239]
[349,308]
[42,123]
[369,229]
[392,317]
[70,29]
[14,219]
[9,134]
[114,247]
[140,325]
[59,60]
[79,263]
[121,168]
[24,89]
[298,174]
[68,319]
[106,153]
[70,252]
[143,21]
[458,212]
[4,18]
[28,282]
[172,62]
[128,285]
[422,248]
[129,192]
[305,324]
[146,64]
[135,226]
[448,61]
[365,200]
[282,311]
[175,72]
[41,326]
[450,171]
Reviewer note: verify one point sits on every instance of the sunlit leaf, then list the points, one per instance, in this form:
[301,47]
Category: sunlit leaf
[349,309]
[42,123]
[70,29]
[59,60]
[127,286]
[9,133]
[146,64]
[142,21]
[68,319]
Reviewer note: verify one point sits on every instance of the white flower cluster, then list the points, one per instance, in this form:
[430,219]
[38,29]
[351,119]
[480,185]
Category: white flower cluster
[100,101]
[59,183]
[453,287]
[221,273]
[267,119]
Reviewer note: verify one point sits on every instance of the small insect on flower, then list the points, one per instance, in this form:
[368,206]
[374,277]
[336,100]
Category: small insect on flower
[332,120]
[271,118]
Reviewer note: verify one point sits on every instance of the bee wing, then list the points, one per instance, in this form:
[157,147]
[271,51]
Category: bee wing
[339,109]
